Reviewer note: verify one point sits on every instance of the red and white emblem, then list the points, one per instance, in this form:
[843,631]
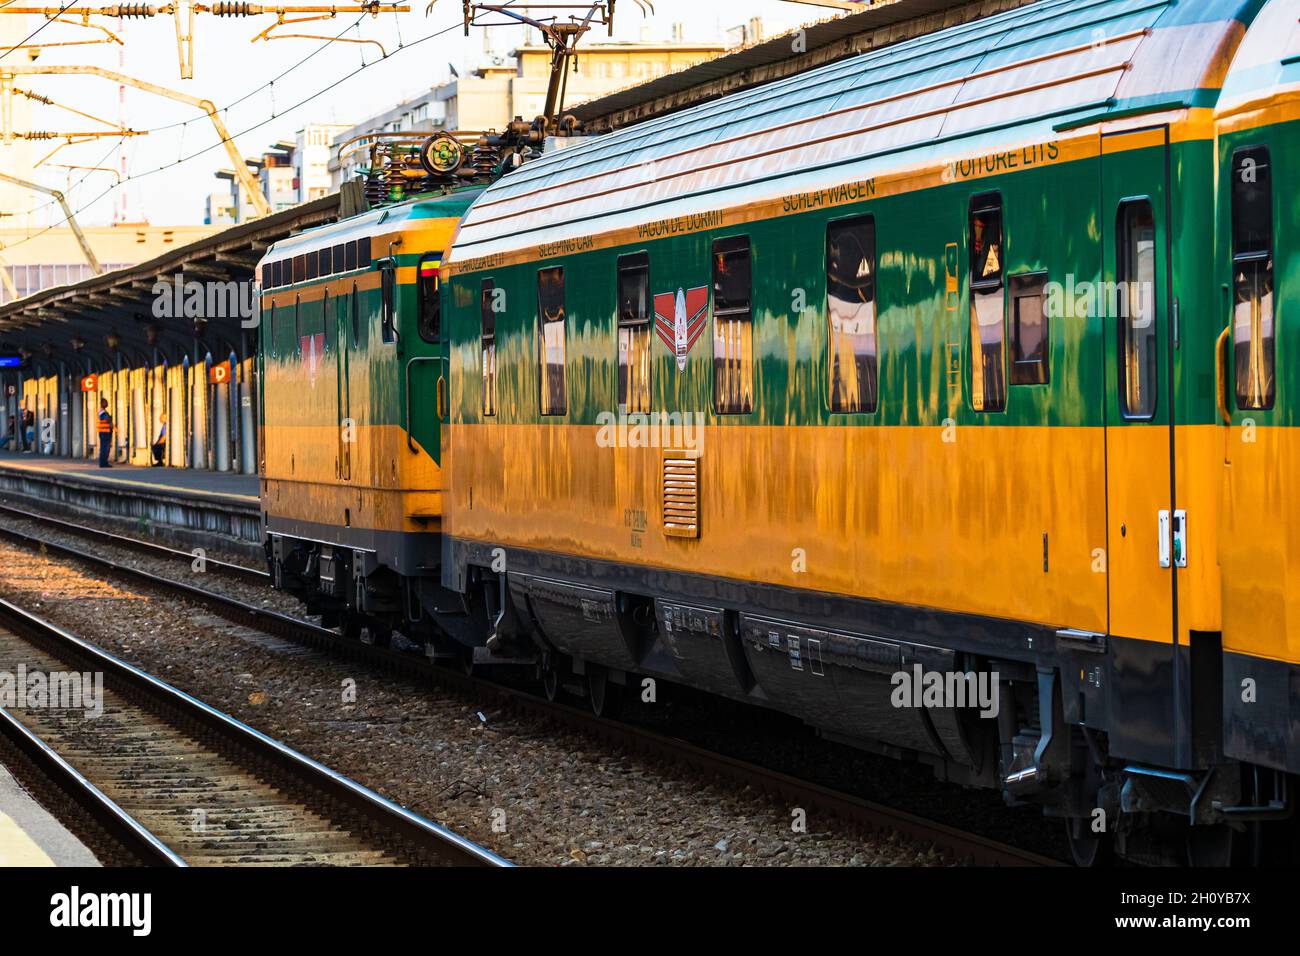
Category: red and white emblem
[680,318]
[313,348]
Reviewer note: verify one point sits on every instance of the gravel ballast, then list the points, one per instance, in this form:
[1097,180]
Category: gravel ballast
[533,793]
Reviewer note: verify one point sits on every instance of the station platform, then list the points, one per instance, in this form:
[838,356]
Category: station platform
[183,506]
[30,836]
[215,485]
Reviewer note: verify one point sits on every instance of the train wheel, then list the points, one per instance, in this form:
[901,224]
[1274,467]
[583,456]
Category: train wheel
[606,696]
[1243,845]
[350,625]
[551,681]
[378,635]
[1216,845]
[1089,849]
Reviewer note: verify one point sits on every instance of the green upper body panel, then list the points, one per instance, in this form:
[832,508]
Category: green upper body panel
[349,337]
[903,107]
[965,91]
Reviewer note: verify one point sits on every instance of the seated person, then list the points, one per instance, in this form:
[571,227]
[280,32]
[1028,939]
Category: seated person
[159,446]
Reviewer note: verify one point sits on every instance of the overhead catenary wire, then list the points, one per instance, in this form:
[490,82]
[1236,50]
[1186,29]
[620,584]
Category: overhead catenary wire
[27,39]
[269,84]
[220,143]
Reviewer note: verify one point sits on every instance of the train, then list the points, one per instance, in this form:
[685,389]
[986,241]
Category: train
[937,396]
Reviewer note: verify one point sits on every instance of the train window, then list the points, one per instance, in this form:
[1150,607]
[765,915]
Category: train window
[634,321]
[338,257]
[1138,380]
[312,260]
[272,327]
[325,321]
[488,344]
[988,305]
[266,276]
[299,268]
[1029,330]
[363,253]
[1253,332]
[326,266]
[430,320]
[350,256]
[388,302]
[551,316]
[851,314]
[356,315]
[733,327]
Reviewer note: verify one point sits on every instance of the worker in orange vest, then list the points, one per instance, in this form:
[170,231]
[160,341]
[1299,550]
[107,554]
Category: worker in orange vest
[105,433]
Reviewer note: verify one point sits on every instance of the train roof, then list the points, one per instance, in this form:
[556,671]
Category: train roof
[1018,77]
[1267,66]
[385,219]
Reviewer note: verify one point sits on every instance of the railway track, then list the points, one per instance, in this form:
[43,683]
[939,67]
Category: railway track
[956,844]
[179,783]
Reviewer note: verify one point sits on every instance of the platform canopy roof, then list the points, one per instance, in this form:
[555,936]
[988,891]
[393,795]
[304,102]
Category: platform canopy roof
[119,306]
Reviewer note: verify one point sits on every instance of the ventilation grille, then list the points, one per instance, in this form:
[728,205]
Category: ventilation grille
[681,487]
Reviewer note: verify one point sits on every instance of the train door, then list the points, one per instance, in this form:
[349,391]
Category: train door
[346,318]
[425,376]
[1144,529]
[1259,269]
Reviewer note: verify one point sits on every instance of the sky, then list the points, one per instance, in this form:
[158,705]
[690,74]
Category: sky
[268,90]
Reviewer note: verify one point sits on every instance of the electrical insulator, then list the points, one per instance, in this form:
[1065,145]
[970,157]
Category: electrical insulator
[136,10]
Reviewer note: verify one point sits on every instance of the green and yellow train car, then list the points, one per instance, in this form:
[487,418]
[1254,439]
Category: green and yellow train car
[1256,276]
[899,376]
[351,361]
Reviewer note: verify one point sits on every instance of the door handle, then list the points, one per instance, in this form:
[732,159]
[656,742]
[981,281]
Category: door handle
[1162,522]
[1221,375]
[1180,538]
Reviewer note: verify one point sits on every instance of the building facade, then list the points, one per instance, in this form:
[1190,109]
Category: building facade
[30,262]
[311,158]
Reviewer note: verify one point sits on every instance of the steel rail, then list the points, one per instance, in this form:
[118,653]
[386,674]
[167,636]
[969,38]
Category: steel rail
[133,835]
[407,827]
[137,544]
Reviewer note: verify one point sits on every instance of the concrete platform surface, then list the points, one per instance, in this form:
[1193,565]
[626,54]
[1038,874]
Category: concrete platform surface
[208,484]
[30,836]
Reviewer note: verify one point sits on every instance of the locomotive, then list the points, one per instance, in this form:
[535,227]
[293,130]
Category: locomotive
[350,360]
[932,396]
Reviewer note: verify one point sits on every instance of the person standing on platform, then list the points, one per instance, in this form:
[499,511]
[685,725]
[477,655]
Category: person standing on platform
[159,446]
[29,429]
[105,429]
